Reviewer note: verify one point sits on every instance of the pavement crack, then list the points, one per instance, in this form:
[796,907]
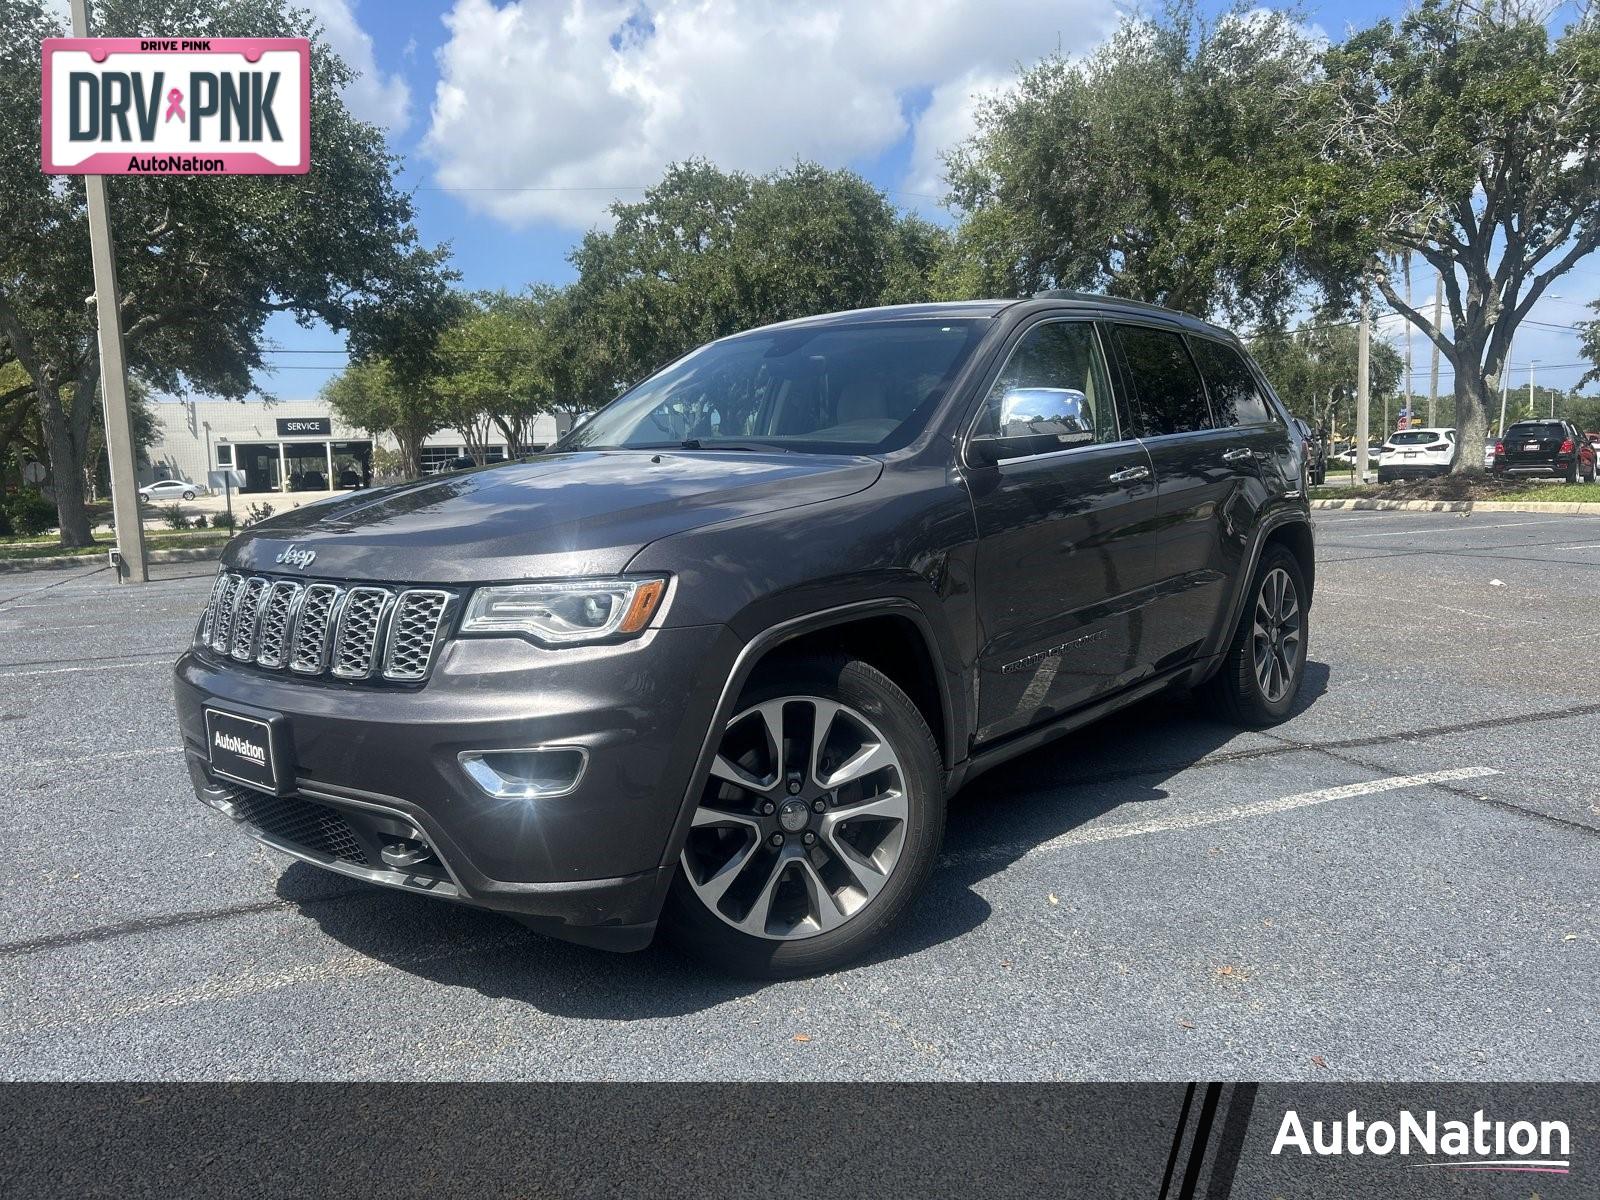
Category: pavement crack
[177,920]
[1459,792]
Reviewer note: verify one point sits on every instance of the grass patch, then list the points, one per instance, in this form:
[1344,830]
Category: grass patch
[1464,487]
[17,550]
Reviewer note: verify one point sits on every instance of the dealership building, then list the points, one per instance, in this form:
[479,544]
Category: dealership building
[285,446]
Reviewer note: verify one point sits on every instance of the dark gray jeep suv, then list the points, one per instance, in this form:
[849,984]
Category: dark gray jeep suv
[717,658]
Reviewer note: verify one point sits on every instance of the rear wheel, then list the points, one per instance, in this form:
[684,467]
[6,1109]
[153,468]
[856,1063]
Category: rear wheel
[1572,471]
[1265,661]
[817,827]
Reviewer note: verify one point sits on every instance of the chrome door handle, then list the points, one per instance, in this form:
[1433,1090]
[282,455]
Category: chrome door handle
[1131,475]
[1239,454]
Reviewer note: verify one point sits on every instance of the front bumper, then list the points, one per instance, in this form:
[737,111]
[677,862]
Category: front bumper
[592,865]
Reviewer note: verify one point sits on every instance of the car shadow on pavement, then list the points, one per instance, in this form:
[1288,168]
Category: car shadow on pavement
[1040,796]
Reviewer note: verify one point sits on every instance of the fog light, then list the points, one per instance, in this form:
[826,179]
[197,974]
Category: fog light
[538,773]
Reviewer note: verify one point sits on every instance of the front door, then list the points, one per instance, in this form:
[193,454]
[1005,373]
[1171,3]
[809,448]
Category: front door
[1064,514]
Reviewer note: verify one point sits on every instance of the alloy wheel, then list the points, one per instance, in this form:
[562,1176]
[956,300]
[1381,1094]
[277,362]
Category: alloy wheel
[802,820]
[1276,634]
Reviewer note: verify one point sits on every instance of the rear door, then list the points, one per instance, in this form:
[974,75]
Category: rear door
[1213,449]
[1065,537]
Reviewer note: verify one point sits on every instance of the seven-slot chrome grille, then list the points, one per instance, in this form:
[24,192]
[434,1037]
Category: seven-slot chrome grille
[352,633]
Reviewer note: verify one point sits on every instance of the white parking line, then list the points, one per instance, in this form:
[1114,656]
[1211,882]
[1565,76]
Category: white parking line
[1090,834]
[1432,531]
[164,663]
[248,982]
[119,756]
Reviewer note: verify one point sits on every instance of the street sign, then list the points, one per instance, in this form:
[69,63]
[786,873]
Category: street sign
[219,481]
[33,472]
[177,106]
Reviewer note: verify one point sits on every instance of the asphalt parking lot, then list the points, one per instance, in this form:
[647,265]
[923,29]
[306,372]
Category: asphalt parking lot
[1162,897]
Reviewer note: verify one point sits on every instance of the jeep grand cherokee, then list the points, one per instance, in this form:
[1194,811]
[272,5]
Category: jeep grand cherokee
[716,660]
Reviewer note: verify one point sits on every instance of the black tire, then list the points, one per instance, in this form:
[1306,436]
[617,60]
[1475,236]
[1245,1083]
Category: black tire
[1572,471]
[1383,477]
[188,495]
[1235,690]
[689,924]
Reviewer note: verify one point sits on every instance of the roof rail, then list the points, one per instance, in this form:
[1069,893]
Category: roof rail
[1097,298]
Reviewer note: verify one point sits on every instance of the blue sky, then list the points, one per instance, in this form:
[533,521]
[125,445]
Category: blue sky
[520,122]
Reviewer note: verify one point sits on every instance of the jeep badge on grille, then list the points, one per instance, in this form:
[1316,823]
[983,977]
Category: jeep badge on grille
[296,557]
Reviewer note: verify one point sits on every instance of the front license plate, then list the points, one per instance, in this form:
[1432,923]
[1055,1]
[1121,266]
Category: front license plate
[241,749]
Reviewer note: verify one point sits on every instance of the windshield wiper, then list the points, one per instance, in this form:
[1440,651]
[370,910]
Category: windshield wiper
[751,447]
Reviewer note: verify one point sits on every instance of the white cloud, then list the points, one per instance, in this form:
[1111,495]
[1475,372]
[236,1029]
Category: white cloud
[384,100]
[586,97]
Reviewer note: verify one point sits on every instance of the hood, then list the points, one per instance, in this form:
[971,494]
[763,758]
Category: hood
[585,513]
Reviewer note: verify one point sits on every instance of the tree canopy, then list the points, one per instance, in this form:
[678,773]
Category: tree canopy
[1151,169]
[203,262]
[1466,135]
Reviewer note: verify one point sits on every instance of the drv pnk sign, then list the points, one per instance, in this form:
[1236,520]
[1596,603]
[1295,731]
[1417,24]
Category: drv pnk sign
[177,106]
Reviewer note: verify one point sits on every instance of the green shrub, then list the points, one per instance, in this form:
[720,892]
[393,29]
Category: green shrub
[31,513]
[223,520]
[200,521]
[172,514]
[257,513]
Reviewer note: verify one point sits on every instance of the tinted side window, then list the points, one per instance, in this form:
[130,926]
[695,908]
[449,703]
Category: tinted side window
[1171,398]
[1234,395]
[1061,356]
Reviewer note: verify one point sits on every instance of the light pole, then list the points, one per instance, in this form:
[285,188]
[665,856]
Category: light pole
[1532,363]
[1363,386]
[129,557]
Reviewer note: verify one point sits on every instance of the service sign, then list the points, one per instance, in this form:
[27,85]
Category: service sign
[177,106]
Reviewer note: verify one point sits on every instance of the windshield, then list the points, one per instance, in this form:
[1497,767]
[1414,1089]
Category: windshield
[821,388]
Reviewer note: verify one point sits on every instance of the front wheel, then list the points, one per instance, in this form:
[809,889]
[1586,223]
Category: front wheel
[817,827]
[188,495]
[1266,660]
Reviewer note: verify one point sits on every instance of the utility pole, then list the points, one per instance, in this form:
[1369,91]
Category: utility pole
[113,368]
[1438,328]
[1532,363]
[1363,387]
[1411,408]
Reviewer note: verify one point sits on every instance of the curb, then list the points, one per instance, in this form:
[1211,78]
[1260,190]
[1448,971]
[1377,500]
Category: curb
[1567,508]
[10,566]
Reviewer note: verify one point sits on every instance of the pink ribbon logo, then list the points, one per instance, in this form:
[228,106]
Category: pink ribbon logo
[175,105]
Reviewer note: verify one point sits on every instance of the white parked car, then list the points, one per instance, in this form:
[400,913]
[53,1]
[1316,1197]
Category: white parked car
[1416,453]
[170,489]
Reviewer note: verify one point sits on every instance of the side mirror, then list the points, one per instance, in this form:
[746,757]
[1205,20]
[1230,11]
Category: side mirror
[1042,411]
[1034,421]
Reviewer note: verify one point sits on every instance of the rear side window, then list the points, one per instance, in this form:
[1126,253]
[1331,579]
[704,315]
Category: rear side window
[1235,398]
[1170,397]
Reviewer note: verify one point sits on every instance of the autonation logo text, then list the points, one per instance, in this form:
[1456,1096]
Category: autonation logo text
[1480,1144]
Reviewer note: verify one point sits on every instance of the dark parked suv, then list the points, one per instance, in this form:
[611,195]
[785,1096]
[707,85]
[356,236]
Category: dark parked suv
[717,658]
[1549,447]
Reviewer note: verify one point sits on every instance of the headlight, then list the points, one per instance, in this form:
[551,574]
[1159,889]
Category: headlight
[566,612]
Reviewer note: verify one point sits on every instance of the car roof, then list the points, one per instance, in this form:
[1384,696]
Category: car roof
[987,309]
